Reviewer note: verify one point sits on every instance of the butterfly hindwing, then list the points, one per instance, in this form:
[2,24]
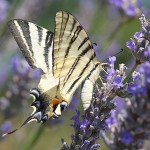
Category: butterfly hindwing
[88,87]
[35,43]
[74,57]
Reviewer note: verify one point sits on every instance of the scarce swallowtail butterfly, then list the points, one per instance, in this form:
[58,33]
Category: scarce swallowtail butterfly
[66,58]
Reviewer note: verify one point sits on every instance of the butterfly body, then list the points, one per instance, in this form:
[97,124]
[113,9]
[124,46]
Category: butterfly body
[66,59]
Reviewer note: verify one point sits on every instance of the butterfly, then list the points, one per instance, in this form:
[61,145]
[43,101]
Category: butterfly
[66,59]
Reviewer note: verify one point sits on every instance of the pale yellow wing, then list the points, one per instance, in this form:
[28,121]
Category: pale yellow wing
[35,42]
[74,57]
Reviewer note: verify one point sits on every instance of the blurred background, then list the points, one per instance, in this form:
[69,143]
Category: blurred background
[109,24]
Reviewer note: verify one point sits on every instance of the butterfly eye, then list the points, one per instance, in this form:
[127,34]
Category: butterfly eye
[63,105]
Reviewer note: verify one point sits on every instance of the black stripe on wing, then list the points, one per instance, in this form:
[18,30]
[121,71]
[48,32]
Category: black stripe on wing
[73,67]
[82,72]
[35,43]
[83,42]
[76,33]
[48,44]
[66,22]
[26,32]
[20,41]
[40,34]
[63,28]
[72,40]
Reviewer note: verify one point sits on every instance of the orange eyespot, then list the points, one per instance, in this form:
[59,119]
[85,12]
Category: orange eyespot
[54,102]
[57,101]
[64,99]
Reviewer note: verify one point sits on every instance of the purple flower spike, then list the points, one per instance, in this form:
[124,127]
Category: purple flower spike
[118,82]
[128,7]
[84,124]
[76,119]
[18,89]
[131,125]
[95,146]
[140,44]
[5,127]
[20,66]
[126,137]
[111,121]
[4,5]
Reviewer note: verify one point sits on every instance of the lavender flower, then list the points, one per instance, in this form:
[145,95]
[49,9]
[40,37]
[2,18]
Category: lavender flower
[128,7]
[140,44]
[4,128]
[111,121]
[87,131]
[18,89]
[73,104]
[133,125]
[4,5]
[115,77]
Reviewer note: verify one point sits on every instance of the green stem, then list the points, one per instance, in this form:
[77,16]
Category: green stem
[130,73]
[32,139]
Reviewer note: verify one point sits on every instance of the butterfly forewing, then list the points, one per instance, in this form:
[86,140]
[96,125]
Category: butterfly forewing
[74,57]
[35,42]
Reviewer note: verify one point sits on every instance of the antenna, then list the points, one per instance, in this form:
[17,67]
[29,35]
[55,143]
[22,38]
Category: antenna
[28,120]
[95,44]
[114,54]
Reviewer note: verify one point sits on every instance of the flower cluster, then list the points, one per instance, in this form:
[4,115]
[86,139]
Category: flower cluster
[131,127]
[127,129]
[4,5]
[128,7]
[87,131]
[140,44]
[115,77]
[18,88]
[4,128]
